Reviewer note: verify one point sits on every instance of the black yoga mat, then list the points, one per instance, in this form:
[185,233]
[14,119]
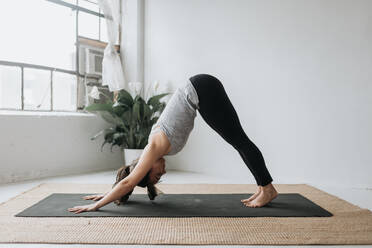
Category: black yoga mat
[178,205]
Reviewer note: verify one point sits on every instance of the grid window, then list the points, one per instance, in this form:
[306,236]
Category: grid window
[103,32]
[64,91]
[39,38]
[10,87]
[37,89]
[88,26]
[37,32]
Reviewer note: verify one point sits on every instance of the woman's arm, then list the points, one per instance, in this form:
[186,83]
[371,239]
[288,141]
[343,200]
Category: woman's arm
[158,147]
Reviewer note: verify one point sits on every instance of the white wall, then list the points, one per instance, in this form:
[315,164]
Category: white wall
[297,71]
[36,146]
[132,39]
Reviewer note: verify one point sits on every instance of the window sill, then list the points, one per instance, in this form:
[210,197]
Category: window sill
[43,113]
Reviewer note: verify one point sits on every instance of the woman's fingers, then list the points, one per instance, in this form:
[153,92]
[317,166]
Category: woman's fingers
[93,197]
[79,211]
[85,208]
[89,197]
[75,209]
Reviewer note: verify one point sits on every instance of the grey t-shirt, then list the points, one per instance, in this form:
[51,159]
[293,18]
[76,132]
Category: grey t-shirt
[177,119]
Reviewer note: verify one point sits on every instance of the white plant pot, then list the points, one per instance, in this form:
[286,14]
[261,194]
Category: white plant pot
[131,154]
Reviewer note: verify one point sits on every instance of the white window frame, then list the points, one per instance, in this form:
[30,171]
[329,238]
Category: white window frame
[79,76]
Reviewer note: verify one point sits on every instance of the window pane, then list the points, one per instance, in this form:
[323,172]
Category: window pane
[88,25]
[64,91]
[10,87]
[37,32]
[36,89]
[103,30]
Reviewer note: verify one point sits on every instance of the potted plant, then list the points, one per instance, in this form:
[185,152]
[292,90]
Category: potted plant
[131,119]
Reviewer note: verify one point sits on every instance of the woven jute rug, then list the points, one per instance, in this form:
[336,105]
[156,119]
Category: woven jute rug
[349,224]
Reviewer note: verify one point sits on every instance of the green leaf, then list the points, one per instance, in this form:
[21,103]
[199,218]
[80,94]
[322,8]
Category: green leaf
[103,144]
[142,105]
[147,112]
[154,120]
[99,107]
[119,108]
[118,136]
[143,143]
[108,137]
[127,116]
[112,145]
[154,100]
[101,132]
[131,140]
[125,140]
[124,97]
[110,118]
[118,139]
[160,107]
[97,135]
[136,111]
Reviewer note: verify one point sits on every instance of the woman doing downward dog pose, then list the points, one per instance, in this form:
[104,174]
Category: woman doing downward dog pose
[168,136]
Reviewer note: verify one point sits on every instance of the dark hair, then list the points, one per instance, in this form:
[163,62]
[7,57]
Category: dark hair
[124,171]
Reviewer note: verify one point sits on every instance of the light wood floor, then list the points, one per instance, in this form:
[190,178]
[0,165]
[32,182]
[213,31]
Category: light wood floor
[358,196]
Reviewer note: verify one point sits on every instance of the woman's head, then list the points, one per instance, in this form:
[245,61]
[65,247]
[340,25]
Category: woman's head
[151,178]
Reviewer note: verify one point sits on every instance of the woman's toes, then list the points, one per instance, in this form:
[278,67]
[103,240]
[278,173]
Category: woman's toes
[248,200]
[252,197]
[249,204]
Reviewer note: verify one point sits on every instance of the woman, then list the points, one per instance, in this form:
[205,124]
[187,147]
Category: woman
[168,136]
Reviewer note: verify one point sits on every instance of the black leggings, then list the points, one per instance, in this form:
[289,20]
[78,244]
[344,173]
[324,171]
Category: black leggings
[217,110]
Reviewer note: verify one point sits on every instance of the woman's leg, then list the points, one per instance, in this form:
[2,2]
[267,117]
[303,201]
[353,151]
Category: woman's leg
[217,110]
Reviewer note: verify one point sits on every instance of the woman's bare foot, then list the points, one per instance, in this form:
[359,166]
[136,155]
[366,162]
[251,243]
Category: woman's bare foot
[253,196]
[267,194]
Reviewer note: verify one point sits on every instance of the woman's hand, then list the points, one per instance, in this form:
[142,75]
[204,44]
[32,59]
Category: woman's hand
[94,197]
[85,208]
